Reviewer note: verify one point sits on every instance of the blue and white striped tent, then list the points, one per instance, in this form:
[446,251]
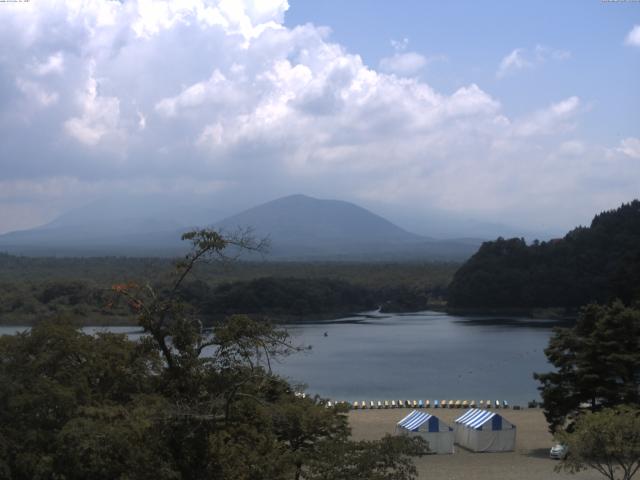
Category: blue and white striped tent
[485,431]
[438,434]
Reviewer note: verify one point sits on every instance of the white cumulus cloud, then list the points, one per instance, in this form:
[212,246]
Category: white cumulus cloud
[407,63]
[54,64]
[36,93]
[633,37]
[222,94]
[522,59]
[550,120]
[513,61]
[99,115]
[630,147]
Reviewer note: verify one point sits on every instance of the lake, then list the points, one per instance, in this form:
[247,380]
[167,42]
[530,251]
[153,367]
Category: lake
[432,355]
[421,355]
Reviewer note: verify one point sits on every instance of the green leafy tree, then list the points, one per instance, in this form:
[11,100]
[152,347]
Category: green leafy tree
[387,459]
[183,402]
[597,362]
[305,426]
[598,263]
[67,397]
[607,441]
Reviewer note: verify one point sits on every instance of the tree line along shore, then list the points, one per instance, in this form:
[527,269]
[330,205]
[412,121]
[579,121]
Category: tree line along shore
[81,288]
[75,405]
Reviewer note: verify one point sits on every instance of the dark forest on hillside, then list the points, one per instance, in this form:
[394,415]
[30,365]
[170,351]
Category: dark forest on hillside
[596,263]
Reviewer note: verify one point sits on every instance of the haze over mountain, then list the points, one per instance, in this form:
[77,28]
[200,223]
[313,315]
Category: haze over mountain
[518,127]
[298,226]
[138,225]
[296,219]
[443,224]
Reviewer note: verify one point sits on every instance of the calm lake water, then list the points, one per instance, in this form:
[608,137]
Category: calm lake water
[411,356]
[421,355]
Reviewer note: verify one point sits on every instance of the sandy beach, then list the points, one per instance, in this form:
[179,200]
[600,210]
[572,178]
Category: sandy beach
[529,461]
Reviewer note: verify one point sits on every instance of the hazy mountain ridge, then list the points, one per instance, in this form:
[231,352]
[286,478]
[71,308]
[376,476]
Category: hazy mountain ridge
[299,228]
[298,217]
[302,227]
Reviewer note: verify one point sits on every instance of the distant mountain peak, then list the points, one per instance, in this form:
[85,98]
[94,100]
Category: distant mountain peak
[299,227]
[295,196]
[307,220]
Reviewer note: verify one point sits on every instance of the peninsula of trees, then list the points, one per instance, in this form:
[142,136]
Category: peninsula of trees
[598,263]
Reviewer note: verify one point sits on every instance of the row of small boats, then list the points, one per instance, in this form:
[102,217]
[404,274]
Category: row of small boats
[380,404]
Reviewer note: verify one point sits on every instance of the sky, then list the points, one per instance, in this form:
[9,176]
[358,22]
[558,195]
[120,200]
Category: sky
[522,113]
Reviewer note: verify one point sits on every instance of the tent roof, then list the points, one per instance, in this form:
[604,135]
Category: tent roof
[475,418]
[414,420]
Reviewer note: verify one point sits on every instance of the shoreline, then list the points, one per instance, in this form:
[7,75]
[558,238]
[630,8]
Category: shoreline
[562,316]
[548,313]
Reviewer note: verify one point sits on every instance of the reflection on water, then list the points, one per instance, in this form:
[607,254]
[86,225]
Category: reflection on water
[410,356]
[420,355]
[515,322]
